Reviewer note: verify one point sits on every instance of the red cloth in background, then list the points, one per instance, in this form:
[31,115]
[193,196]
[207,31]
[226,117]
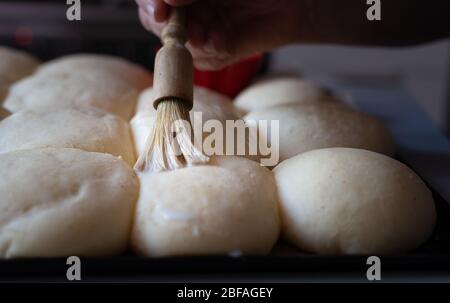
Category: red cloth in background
[232,79]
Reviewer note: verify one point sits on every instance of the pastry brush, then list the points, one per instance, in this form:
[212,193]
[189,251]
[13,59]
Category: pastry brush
[170,145]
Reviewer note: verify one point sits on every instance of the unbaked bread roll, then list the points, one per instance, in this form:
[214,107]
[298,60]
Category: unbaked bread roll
[97,89]
[212,106]
[136,75]
[304,127]
[14,66]
[141,126]
[353,201]
[226,207]
[62,202]
[284,90]
[90,130]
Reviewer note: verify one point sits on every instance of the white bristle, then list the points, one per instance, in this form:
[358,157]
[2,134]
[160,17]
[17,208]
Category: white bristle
[163,150]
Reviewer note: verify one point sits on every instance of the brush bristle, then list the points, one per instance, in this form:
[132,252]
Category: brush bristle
[164,150]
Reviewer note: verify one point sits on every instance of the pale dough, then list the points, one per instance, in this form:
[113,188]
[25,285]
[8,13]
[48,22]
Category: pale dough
[63,202]
[226,207]
[14,66]
[353,201]
[89,129]
[304,127]
[136,75]
[284,90]
[97,89]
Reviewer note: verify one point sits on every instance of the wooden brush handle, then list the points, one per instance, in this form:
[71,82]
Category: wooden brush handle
[176,27]
[174,69]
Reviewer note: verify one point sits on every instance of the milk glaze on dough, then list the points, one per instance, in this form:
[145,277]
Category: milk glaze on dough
[226,206]
[211,105]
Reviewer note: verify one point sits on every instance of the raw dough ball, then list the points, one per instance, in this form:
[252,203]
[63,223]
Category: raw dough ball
[136,75]
[97,89]
[90,130]
[353,201]
[212,105]
[14,66]
[141,126]
[226,207]
[304,127]
[278,91]
[62,202]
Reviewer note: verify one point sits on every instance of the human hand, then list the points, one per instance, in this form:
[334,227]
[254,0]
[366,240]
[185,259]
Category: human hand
[223,31]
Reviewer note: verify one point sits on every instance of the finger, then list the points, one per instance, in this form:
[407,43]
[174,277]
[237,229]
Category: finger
[212,63]
[207,57]
[161,10]
[147,5]
[149,23]
[157,9]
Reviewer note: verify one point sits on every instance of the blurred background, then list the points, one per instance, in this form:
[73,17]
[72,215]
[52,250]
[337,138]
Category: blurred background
[112,27]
